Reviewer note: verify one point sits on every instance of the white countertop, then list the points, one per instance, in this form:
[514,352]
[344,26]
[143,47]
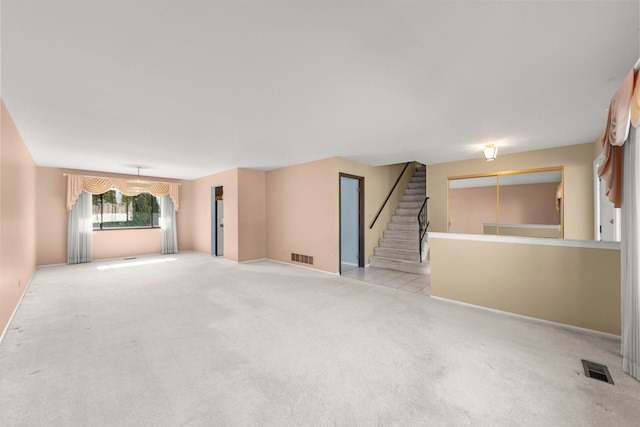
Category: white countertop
[546,241]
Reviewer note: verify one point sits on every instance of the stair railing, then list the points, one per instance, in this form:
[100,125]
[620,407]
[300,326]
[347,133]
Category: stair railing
[388,196]
[423,223]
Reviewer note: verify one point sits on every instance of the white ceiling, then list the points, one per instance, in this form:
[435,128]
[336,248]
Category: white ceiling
[189,88]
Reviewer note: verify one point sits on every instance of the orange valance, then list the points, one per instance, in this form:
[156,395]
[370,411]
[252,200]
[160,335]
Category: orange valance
[621,114]
[129,187]
[635,105]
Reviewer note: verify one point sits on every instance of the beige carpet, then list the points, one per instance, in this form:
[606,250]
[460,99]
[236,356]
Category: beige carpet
[194,340]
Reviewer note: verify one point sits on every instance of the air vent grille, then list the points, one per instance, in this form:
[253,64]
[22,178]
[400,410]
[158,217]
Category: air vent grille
[597,371]
[304,259]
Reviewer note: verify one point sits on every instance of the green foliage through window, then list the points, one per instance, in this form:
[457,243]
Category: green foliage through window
[115,210]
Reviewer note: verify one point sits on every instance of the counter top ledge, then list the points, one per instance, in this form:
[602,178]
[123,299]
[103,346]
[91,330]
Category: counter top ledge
[545,241]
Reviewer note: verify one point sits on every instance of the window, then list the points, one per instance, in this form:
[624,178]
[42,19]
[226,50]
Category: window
[115,210]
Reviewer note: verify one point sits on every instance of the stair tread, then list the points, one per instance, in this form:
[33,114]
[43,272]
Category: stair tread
[411,214]
[398,247]
[407,251]
[400,261]
[414,267]
[397,254]
[402,235]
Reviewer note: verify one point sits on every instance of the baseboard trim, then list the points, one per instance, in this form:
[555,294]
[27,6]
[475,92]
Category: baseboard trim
[51,265]
[281,262]
[15,310]
[302,266]
[534,319]
[112,259]
[253,260]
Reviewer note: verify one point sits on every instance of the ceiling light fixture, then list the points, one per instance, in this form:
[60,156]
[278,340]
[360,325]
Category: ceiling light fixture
[137,186]
[490,152]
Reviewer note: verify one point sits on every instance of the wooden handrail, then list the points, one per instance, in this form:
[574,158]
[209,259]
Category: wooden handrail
[388,196]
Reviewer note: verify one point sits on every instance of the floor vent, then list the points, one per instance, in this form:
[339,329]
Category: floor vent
[131,257]
[597,371]
[305,259]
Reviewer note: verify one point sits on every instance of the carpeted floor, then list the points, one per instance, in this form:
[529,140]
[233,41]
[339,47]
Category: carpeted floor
[195,340]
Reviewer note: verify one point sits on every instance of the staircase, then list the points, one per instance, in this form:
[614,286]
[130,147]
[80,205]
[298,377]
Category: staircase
[398,249]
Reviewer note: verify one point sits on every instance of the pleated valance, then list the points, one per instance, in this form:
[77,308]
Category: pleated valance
[624,111]
[129,187]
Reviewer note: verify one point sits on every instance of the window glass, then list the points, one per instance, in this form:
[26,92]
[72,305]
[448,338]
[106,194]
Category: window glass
[115,210]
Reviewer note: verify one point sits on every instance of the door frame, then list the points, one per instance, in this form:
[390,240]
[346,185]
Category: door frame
[360,180]
[597,200]
[213,249]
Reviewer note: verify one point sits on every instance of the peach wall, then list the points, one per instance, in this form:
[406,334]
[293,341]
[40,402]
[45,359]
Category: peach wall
[17,216]
[125,243]
[201,212]
[51,222]
[252,219]
[303,208]
[578,183]
[184,217]
[302,213]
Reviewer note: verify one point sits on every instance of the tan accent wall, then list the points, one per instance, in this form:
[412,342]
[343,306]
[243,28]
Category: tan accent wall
[578,183]
[18,204]
[378,181]
[597,148]
[51,222]
[570,285]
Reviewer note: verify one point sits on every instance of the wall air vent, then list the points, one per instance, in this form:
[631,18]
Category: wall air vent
[304,259]
[597,371]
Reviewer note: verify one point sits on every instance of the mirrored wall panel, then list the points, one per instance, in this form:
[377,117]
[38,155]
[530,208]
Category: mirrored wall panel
[472,203]
[523,203]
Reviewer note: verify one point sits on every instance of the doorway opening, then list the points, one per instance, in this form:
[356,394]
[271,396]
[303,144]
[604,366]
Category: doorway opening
[351,222]
[217,221]
[608,224]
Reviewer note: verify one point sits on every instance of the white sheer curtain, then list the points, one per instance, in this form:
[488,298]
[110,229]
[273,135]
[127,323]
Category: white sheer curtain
[630,255]
[80,230]
[168,224]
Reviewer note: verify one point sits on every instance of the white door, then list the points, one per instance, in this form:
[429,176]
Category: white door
[349,223]
[220,225]
[608,226]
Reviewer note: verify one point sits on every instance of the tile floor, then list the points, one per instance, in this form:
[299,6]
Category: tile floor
[408,282]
